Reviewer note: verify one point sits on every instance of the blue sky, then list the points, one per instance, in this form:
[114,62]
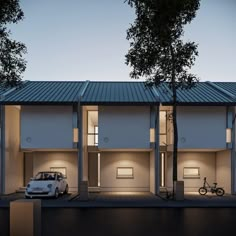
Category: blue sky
[86,39]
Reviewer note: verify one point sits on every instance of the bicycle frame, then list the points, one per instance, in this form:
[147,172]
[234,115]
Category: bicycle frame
[213,189]
[208,186]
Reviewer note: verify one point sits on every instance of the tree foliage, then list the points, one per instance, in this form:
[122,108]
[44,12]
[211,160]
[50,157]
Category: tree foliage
[12,63]
[157,51]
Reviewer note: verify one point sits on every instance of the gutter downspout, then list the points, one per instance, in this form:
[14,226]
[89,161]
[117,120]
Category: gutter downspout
[157,151]
[156,115]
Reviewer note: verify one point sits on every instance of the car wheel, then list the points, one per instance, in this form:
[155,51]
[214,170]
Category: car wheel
[66,189]
[56,195]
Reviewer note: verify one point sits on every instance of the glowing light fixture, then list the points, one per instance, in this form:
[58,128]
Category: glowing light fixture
[162,169]
[99,174]
[75,135]
[152,135]
[228,135]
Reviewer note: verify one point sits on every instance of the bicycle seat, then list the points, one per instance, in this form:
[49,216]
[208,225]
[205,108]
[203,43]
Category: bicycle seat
[215,183]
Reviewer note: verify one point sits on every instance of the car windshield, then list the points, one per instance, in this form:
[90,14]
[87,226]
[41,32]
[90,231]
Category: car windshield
[45,176]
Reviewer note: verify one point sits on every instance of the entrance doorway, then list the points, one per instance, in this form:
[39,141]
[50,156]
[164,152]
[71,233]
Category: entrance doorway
[94,169]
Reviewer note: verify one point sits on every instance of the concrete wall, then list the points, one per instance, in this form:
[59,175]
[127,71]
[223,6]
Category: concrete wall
[202,127]
[124,127]
[140,161]
[44,160]
[223,170]
[152,172]
[205,160]
[46,127]
[13,156]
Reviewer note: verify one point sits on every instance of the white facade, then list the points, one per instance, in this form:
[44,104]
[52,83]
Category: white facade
[124,127]
[46,133]
[201,127]
[46,127]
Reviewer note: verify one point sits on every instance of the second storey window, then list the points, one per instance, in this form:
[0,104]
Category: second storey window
[92,130]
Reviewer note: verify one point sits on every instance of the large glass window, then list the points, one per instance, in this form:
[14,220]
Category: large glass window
[92,128]
[162,128]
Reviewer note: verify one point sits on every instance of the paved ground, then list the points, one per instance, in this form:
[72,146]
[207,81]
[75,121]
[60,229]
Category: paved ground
[138,199]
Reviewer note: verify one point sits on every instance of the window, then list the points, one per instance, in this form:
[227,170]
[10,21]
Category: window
[92,129]
[96,135]
[191,173]
[125,173]
[163,127]
[59,169]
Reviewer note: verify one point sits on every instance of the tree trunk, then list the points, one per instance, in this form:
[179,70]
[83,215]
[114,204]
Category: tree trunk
[175,148]
[175,129]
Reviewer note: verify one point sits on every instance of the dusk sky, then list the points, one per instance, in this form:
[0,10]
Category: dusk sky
[86,39]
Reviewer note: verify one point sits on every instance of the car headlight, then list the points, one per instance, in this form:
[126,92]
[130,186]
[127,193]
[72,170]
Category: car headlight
[49,185]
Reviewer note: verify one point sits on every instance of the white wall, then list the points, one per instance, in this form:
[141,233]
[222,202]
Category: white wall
[124,127]
[201,127]
[44,160]
[13,156]
[205,160]
[46,127]
[140,161]
[223,170]
[152,172]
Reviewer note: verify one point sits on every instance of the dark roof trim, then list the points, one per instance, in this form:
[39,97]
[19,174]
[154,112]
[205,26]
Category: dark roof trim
[120,103]
[36,103]
[200,103]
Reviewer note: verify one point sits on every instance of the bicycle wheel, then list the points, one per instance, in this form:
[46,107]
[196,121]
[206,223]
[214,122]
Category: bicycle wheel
[220,191]
[202,191]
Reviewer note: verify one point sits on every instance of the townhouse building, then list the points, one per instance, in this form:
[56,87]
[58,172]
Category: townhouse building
[117,136]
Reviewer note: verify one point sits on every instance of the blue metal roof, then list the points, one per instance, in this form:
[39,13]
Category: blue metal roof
[125,93]
[228,86]
[6,90]
[204,93]
[45,92]
[118,93]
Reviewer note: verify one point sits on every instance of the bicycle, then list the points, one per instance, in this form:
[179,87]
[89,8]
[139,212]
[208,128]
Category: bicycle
[213,189]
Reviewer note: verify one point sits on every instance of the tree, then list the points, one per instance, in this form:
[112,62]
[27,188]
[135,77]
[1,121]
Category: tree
[157,51]
[12,65]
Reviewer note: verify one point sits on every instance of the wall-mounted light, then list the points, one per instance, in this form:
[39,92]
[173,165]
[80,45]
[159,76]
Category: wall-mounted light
[152,135]
[162,169]
[228,135]
[75,135]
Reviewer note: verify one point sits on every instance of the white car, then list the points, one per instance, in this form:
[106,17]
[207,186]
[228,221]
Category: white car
[47,184]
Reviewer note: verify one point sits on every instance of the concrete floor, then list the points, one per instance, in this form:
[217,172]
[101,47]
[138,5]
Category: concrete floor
[130,199]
